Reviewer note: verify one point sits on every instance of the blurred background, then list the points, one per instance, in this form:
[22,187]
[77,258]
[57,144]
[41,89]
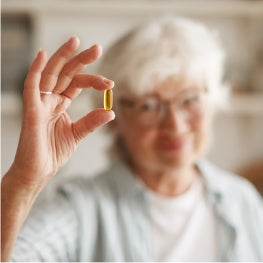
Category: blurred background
[28,25]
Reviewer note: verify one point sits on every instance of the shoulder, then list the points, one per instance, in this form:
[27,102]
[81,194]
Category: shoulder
[101,185]
[228,184]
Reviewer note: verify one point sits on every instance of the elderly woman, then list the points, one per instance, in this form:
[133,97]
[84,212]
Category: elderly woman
[160,201]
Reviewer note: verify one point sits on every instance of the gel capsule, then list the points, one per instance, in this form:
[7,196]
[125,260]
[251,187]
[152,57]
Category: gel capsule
[108,99]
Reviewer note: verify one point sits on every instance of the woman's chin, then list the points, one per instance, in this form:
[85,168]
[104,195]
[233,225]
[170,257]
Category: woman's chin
[175,159]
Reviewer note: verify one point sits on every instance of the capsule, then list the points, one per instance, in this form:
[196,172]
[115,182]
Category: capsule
[108,99]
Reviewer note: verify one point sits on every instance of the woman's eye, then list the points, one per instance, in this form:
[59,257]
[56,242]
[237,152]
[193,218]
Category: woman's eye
[148,106]
[191,100]
[145,107]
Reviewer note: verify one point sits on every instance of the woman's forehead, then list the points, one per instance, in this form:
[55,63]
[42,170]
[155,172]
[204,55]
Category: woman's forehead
[169,87]
[173,86]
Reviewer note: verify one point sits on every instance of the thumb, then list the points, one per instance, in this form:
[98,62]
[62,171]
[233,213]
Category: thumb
[91,122]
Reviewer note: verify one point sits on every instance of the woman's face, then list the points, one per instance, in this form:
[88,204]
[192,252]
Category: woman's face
[167,129]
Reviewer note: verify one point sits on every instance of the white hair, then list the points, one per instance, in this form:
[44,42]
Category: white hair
[161,48]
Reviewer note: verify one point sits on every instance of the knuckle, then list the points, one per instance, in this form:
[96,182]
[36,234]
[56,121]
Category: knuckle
[50,74]
[82,59]
[63,103]
[67,74]
[64,53]
[74,84]
[28,86]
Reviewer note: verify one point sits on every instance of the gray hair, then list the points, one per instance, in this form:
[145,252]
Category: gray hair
[161,48]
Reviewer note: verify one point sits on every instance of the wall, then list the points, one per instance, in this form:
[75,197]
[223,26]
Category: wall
[237,133]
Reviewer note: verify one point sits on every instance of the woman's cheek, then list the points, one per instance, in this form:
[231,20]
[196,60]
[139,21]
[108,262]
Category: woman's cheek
[202,134]
[146,137]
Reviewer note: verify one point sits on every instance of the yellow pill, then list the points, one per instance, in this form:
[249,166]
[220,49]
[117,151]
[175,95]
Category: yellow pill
[108,99]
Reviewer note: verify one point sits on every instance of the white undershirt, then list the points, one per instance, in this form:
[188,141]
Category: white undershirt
[183,227]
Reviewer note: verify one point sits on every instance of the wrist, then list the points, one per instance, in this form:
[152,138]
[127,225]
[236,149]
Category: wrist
[29,177]
[13,181]
[16,202]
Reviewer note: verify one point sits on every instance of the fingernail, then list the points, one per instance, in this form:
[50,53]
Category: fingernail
[73,38]
[109,82]
[97,46]
[39,52]
[113,115]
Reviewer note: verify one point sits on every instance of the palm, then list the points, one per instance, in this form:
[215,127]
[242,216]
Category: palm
[65,142]
[48,136]
[60,141]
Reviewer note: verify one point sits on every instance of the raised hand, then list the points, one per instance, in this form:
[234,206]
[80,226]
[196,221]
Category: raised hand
[48,136]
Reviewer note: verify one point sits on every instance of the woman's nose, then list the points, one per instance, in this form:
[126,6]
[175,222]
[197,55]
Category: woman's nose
[175,119]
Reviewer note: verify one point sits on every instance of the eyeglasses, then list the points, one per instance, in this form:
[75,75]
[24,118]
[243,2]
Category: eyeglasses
[151,110]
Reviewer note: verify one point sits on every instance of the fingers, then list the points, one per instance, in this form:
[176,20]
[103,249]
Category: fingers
[56,63]
[59,73]
[86,81]
[90,122]
[31,87]
[75,65]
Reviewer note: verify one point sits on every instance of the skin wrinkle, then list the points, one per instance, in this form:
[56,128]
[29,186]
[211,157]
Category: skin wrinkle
[68,72]
[50,80]
[75,66]
[63,105]
[64,119]
[77,138]
[73,90]
[57,62]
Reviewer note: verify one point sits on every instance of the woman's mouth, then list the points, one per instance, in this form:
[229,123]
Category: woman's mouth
[173,145]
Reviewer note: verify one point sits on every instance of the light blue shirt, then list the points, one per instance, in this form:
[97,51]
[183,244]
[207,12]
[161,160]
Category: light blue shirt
[107,218]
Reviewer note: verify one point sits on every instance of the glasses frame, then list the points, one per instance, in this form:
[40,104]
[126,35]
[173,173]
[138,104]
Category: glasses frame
[130,104]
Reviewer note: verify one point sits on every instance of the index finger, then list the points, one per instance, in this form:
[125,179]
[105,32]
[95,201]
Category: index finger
[81,81]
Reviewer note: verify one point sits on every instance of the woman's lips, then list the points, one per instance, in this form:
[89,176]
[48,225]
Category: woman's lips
[173,145]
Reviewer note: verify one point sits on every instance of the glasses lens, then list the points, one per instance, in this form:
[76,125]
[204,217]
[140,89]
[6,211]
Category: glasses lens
[148,111]
[191,102]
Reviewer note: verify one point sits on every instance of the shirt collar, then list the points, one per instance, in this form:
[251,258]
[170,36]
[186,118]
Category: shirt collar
[218,192]
[214,181]
[126,183]
[210,175]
